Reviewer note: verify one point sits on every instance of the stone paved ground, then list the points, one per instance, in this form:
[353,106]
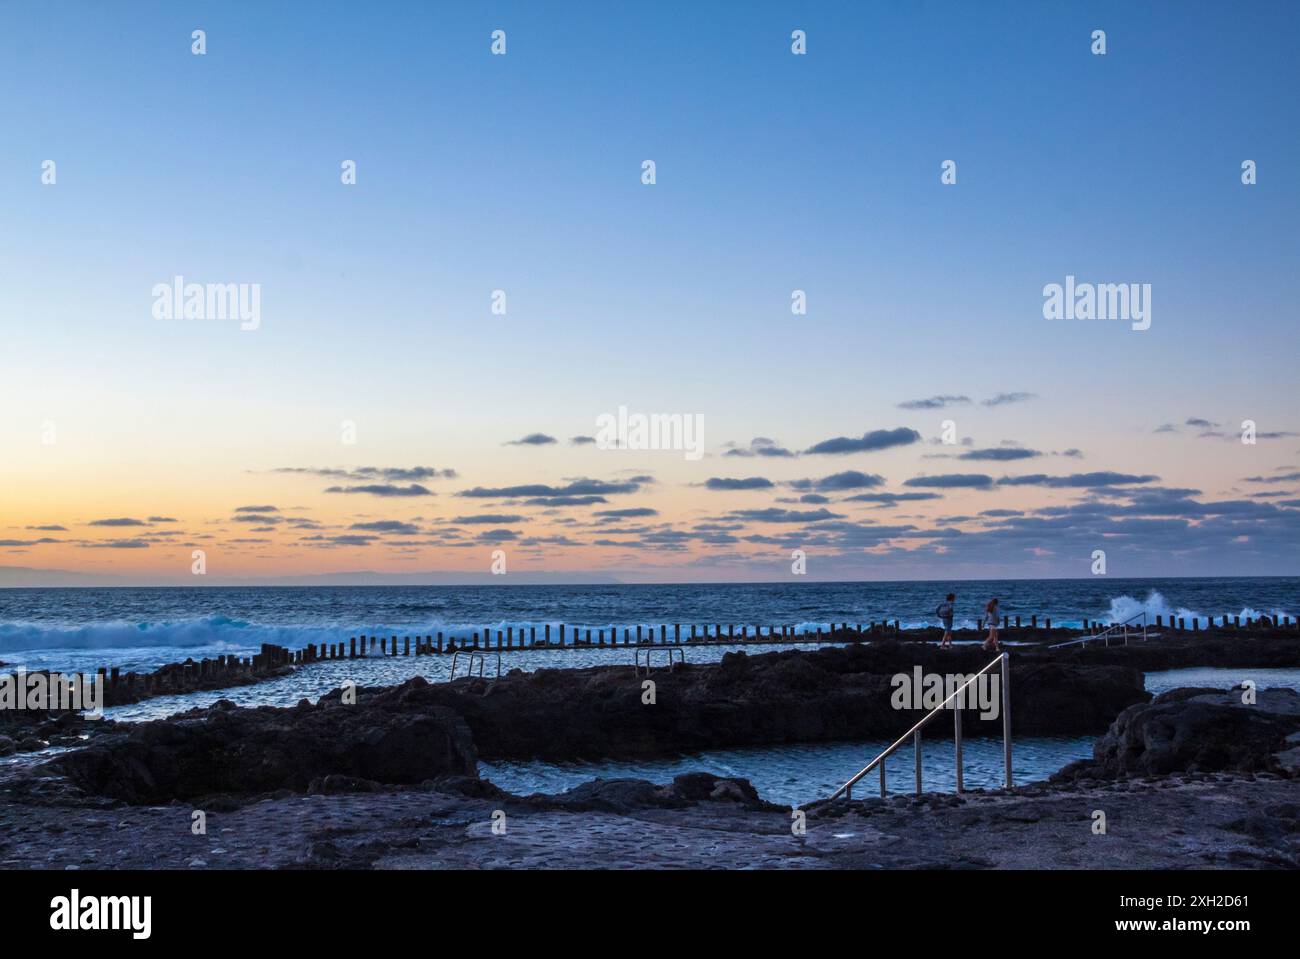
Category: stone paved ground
[1179,822]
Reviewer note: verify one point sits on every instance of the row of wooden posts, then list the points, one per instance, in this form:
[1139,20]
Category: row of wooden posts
[1179,624]
[221,670]
[571,637]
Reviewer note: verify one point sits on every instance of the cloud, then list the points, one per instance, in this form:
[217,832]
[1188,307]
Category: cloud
[578,487]
[28,542]
[119,521]
[1002,399]
[1166,428]
[264,518]
[582,440]
[489,519]
[729,483]
[1284,478]
[952,481]
[759,446]
[342,539]
[847,480]
[890,498]
[1200,423]
[257,509]
[631,512]
[533,439]
[387,526]
[1078,480]
[383,489]
[565,501]
[868,442]
[163,519]
[934,403]
[1000,454]
[777,515]
[392,474]
[49,528]
[118,544]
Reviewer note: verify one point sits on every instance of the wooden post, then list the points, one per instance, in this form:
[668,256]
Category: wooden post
[1017,622]
[561,634]
[1048,622]
[677,632]
[352,654]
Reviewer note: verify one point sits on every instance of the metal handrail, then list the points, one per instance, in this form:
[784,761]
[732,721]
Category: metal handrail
[915,733]
[648,650]
[473,654]
[1106,633]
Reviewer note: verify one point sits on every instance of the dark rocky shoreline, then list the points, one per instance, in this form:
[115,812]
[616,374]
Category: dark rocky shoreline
[391,780]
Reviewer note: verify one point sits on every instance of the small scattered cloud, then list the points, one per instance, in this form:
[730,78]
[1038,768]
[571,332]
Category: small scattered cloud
[393,526]
[533,439]
[1078,480]
[730,483]
[1000,454]
[1002,399]
[867,443]
[934,403]
[759,446]
[383,489]
[629,513]
[952,481]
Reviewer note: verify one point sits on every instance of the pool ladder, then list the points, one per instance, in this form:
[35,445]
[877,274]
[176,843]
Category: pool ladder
[473,654]
[915,735]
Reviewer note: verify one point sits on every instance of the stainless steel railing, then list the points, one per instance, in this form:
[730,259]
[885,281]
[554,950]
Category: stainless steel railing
[649,649]
[915,735]
[474,654]
[1114,631]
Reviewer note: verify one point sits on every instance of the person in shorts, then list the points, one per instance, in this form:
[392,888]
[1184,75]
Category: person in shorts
[944,612]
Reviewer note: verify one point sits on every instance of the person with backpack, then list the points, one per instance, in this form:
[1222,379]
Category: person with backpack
[944,612]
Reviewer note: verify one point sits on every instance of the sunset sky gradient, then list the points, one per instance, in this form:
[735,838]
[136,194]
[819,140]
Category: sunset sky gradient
[775,173]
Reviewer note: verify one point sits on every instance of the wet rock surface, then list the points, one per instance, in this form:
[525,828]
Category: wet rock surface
[228,749]
[1200,730]
[1175,822]
[416,731]
[839,693]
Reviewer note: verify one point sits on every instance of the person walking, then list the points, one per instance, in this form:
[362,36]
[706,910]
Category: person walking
[944,612]
[991,620]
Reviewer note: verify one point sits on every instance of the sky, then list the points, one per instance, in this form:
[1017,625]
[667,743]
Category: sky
[372,417]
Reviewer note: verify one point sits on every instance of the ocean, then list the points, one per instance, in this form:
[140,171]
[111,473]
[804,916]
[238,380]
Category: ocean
[141,628]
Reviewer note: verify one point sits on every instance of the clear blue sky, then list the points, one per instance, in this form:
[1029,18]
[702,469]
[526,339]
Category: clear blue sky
[521,172]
